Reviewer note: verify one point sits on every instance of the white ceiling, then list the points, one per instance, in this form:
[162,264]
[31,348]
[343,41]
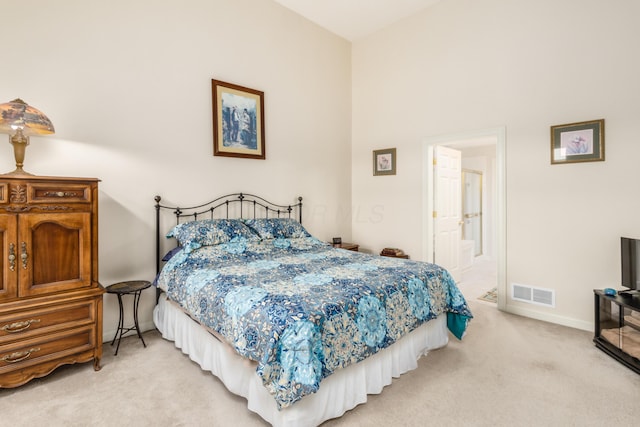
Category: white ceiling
[353,19]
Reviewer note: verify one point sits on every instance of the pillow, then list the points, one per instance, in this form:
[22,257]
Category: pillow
[195,234]
[277,228]
[171,253]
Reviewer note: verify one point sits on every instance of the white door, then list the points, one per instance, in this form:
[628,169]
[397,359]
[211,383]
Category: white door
[447,226]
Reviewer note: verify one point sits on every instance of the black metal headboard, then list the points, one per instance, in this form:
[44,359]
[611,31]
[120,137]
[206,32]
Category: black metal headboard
[235,205]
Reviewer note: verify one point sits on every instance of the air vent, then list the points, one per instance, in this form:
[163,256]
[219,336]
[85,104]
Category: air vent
[533,295]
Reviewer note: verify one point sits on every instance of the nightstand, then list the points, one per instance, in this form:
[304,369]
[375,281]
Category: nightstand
[135,288]
[394,253]
[396,256]
[347,246]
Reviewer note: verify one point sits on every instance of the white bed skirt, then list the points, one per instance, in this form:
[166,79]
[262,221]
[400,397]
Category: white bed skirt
[341,391]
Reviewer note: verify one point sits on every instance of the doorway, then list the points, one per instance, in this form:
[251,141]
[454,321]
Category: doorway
[491,263]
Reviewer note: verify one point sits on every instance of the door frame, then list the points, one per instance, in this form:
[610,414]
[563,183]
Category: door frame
[479,137]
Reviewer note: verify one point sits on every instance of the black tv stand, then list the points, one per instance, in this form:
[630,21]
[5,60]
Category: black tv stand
[617,326]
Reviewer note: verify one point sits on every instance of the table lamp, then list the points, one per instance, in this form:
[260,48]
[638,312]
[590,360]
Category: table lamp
[20,121]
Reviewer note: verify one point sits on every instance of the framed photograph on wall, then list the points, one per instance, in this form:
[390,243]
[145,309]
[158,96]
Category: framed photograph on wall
[384,162]
[238,121]
[578,142]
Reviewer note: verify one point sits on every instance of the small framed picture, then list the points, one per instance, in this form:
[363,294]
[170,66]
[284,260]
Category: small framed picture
[578,142]
[238,121]
[384,162]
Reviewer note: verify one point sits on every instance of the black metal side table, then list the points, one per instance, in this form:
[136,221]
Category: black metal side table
[135,288]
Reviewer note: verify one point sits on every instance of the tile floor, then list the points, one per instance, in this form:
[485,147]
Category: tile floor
[479,278]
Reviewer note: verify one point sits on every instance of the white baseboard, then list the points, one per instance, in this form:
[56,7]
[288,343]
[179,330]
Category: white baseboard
[548,317]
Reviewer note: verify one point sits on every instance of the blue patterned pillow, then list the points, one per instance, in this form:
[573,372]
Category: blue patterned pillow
[277,228]
[195,234]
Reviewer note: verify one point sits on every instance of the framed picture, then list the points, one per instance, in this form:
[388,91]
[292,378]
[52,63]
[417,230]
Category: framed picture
[384,162]
[238,121]
[578,142]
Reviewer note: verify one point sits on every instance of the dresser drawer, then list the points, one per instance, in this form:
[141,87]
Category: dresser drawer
[25,324]
[46,348]
[59,193]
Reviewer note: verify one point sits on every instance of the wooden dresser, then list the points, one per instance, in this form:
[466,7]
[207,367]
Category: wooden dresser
[50,298]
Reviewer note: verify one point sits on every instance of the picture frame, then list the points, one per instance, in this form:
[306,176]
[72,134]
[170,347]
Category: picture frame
[578,142]
[384,162]
[238,121]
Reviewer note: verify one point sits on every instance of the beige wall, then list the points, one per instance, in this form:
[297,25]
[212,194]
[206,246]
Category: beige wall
[127,85]
[465,65]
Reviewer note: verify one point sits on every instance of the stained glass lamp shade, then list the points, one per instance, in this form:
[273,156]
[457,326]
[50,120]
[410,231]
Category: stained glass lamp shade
[21,120]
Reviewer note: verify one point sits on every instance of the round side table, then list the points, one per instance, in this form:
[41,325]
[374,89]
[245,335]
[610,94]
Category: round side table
[135,288]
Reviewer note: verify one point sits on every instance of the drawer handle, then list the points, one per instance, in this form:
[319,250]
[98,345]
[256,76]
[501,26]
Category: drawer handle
[19,326]
[19,356]
[62,194]
[12,257]
[24,256]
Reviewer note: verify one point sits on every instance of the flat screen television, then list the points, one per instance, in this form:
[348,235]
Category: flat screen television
[630,261]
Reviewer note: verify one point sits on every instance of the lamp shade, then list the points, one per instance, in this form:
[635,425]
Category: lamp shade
[20,121]
[17,114]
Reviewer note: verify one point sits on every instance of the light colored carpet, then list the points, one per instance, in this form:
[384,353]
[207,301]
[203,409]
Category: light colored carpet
[508,371]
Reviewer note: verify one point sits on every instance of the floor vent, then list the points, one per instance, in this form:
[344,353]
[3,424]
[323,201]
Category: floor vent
[533,295]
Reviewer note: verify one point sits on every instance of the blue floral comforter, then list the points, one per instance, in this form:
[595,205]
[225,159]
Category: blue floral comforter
[303,309]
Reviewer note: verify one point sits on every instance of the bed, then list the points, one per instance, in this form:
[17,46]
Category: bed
[302,330]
